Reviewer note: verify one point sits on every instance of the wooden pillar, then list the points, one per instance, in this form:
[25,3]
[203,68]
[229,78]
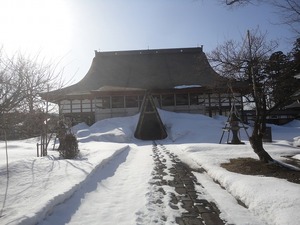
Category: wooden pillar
[230,103]
[110,105]
[189,101]
[220,104]
[242,109]
[59,109]
[209,106]
[160,101]
[174,101]
[91,102]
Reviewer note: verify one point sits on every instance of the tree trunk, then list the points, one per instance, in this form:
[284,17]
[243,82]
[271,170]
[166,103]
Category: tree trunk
[256,141]
[258,93]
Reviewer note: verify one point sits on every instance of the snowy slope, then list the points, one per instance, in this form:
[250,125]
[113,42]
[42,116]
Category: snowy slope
[113,172]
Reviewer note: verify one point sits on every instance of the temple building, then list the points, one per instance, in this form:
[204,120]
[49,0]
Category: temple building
[179,80]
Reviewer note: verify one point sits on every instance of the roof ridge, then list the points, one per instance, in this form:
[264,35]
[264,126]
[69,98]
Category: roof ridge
[151,51]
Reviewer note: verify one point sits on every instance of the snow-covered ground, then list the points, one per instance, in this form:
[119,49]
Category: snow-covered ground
[111,181]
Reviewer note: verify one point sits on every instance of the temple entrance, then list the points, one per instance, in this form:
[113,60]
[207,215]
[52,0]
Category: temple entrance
[150,126]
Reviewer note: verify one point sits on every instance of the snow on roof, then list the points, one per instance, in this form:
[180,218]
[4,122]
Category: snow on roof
[187,86]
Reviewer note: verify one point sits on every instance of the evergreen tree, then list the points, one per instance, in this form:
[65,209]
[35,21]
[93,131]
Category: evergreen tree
[281,78]
[295,53]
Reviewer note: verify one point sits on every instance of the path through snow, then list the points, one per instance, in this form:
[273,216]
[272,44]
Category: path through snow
[106,194]
[168,197]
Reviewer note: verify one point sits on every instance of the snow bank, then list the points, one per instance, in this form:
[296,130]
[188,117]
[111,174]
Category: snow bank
[183,126]
[294,123]
[118,130]
[80,130]
[296,141]
[37,185]
[46,182]
[79,127]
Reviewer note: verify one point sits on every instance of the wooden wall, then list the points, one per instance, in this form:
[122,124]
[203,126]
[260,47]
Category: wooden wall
[108,106]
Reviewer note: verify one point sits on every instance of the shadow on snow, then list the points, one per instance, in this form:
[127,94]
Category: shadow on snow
[67,209]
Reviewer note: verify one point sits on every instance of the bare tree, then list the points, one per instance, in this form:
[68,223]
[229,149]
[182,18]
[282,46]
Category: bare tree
[289,10]
[39,77]
[12,88]
[245,61]
[239,2]
[290,13]
[21,79]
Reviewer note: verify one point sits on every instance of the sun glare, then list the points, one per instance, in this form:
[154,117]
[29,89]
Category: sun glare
[35,26]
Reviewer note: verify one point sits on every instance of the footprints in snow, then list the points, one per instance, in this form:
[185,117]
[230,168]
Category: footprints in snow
[172,196]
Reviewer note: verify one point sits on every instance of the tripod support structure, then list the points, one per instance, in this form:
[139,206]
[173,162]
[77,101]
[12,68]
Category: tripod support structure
[232,125]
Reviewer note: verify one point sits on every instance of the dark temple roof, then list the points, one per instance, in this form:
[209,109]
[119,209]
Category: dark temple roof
[145,69]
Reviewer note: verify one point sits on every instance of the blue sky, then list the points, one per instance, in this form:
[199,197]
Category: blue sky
[73,29]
